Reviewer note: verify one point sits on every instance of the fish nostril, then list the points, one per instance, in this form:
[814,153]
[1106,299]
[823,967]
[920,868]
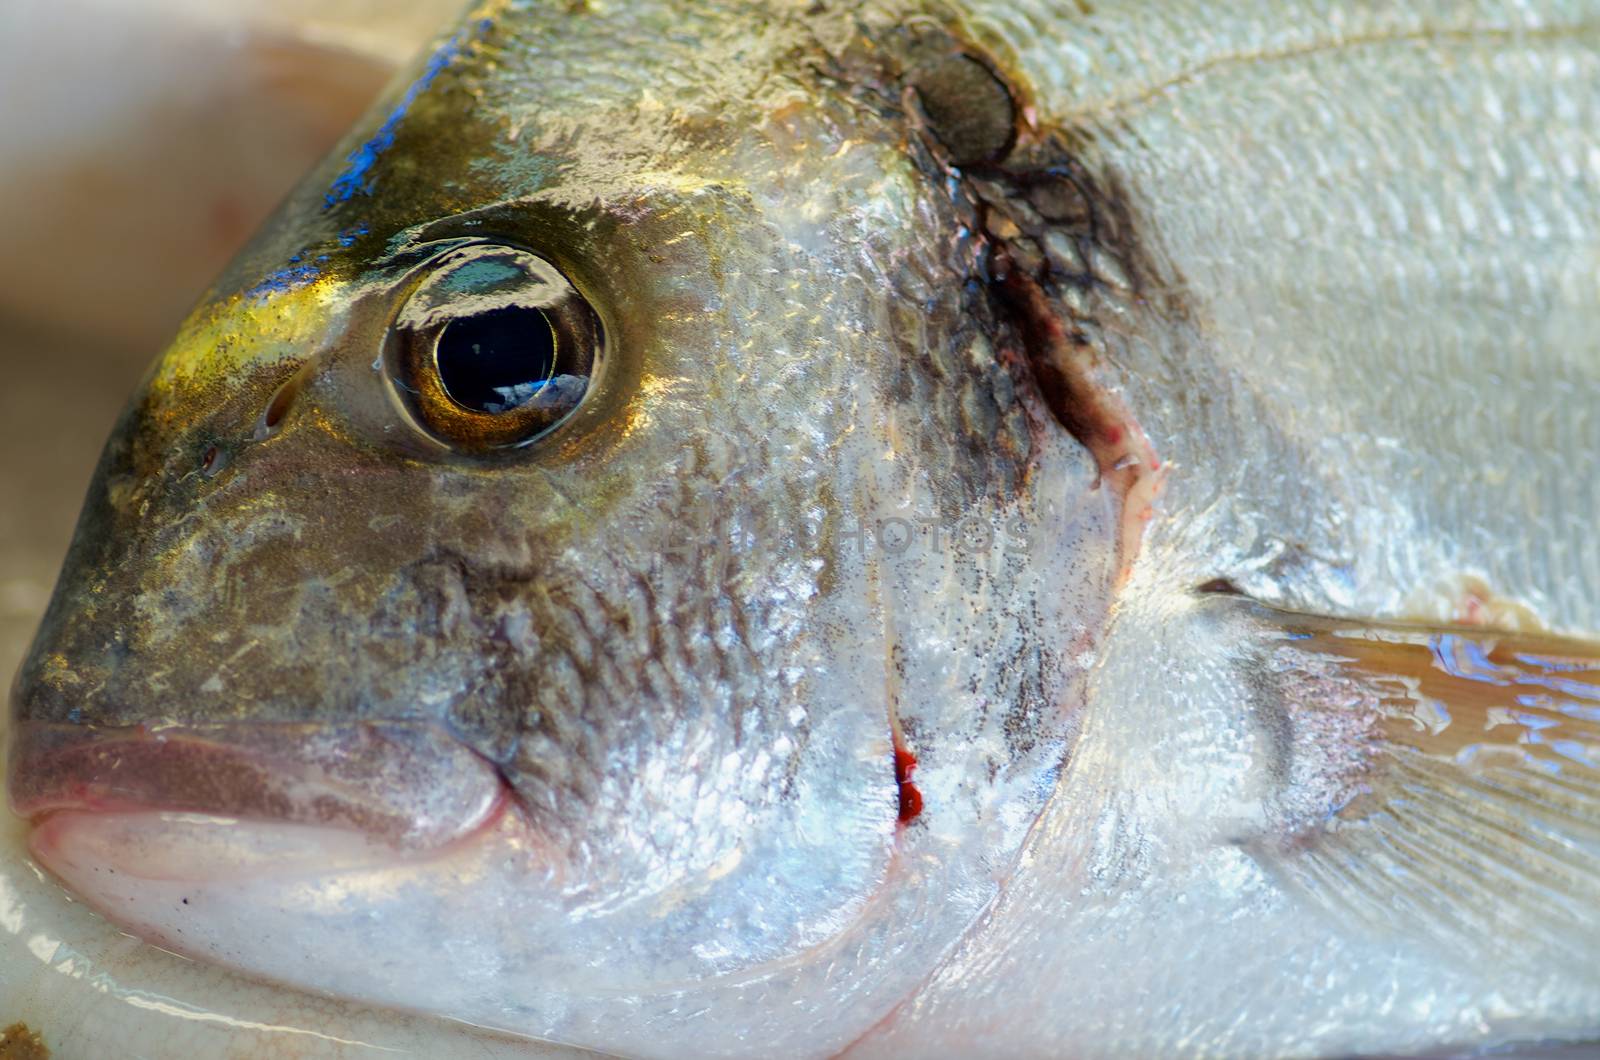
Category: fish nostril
[212,461]
[277,409]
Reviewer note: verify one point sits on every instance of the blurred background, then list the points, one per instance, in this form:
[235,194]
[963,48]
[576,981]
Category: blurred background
[141,143]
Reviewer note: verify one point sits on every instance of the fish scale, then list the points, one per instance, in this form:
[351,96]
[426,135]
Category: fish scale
[1344,320]
[1204,320]
[1311,456]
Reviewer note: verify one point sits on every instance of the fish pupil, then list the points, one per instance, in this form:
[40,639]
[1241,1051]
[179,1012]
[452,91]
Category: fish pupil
[497,361]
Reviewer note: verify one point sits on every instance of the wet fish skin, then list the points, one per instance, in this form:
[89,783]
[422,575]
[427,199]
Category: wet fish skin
[675,211]
[1382,235]
[656,627]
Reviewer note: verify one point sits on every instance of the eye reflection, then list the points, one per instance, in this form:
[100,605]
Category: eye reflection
[497,361]
[492,348]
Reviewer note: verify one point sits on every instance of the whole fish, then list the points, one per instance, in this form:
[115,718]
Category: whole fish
[1041,528]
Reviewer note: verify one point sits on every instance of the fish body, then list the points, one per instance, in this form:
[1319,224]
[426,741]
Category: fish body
[1033,529]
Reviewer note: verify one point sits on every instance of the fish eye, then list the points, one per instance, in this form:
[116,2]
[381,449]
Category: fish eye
[492,348]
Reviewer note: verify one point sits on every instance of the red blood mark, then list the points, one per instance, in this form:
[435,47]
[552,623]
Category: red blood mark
[1114,435]
[910,798]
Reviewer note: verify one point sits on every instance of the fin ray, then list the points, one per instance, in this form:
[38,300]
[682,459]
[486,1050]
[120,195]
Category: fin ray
[1443,782]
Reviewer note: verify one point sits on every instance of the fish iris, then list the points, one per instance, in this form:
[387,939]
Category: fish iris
[491,348]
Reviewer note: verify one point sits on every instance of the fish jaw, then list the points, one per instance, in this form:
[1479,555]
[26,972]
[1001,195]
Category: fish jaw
[279,852]
[335,910]
[214,841]
[275,900]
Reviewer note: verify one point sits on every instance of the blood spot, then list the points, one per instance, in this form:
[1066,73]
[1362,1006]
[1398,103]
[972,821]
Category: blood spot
[910,797]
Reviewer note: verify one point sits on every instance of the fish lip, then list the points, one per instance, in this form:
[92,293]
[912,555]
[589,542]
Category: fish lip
[406,784]
[173,847]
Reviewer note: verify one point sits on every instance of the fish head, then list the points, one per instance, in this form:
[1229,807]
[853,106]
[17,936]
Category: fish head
[521,588]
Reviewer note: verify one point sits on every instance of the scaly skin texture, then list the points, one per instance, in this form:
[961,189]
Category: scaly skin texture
[838,295]
[680,629]
[1382,395]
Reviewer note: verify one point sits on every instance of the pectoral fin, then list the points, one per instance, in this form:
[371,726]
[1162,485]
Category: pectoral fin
[1437,780]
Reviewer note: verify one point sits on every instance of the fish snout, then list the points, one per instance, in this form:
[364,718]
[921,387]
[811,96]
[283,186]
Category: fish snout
[239,799]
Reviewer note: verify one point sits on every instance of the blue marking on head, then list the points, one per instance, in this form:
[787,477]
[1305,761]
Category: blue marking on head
[357,177]
[348,237]
[284,280]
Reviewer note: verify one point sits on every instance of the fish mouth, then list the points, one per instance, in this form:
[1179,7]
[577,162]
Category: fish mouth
[227,801]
